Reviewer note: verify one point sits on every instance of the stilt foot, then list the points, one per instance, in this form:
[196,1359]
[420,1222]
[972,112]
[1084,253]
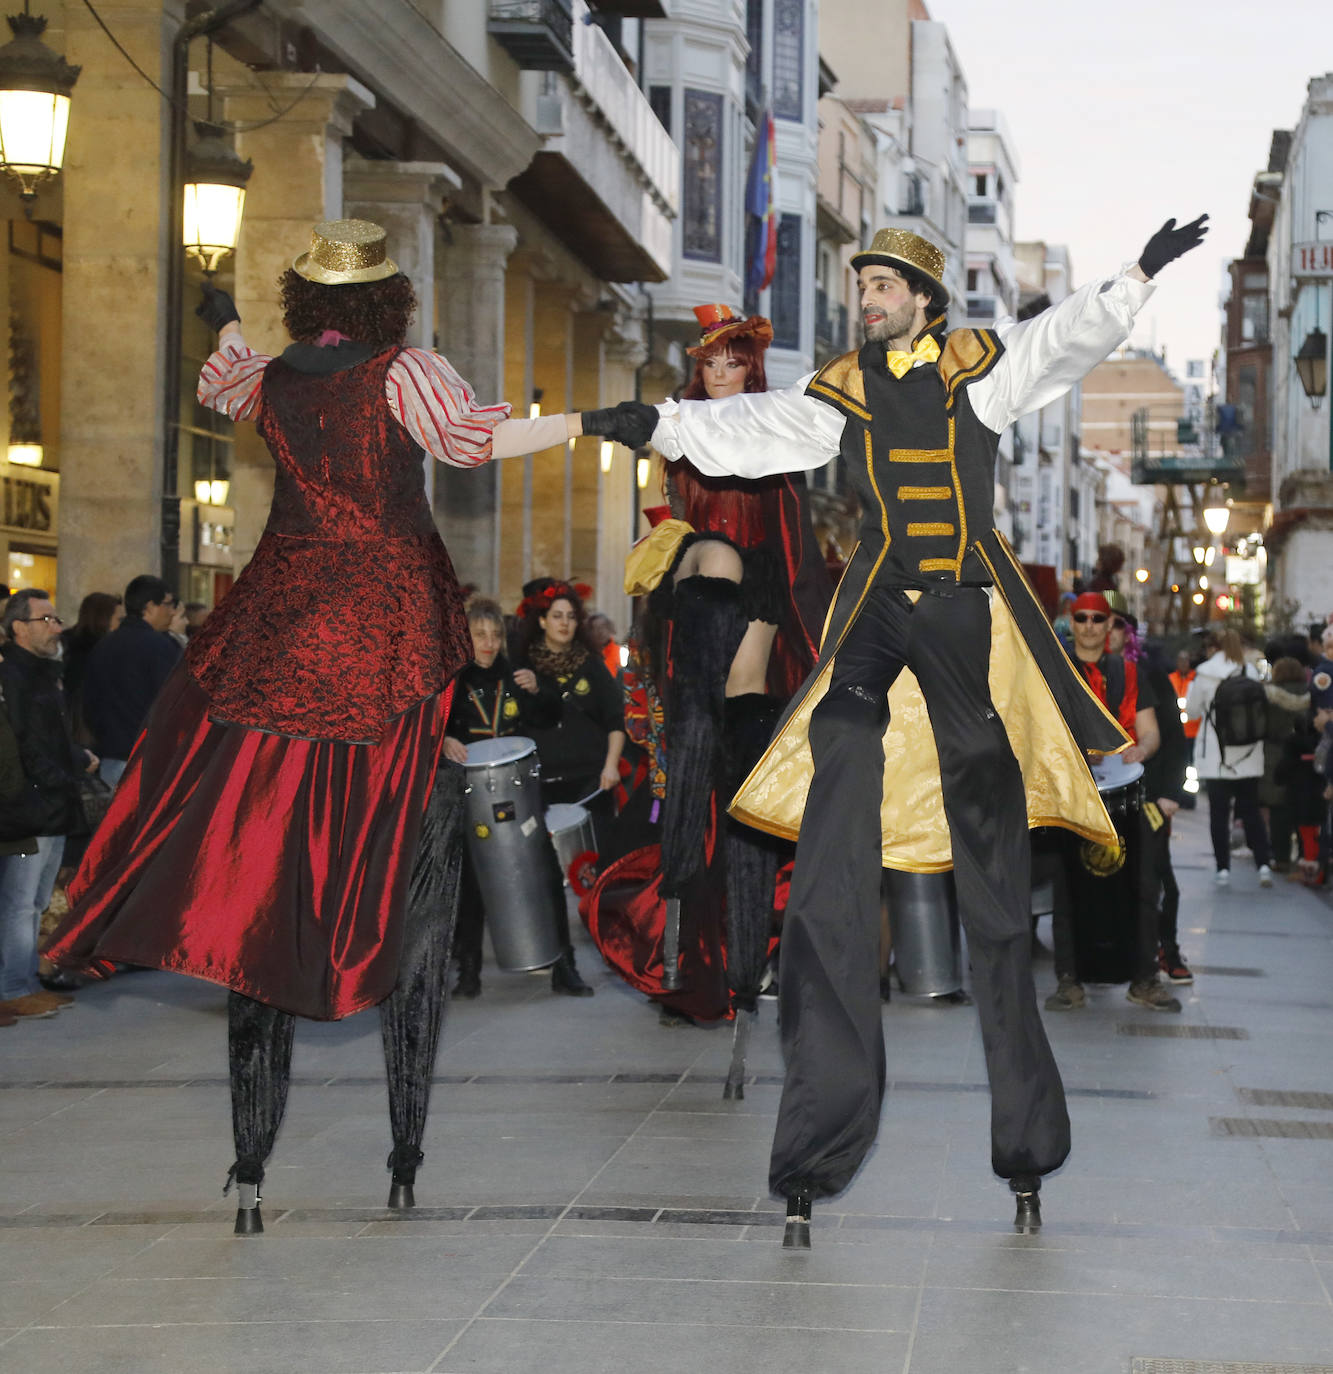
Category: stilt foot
[401,1196]
[671,979]
[734,1088]
[249,1221]
[797,1234]
[1027,1196]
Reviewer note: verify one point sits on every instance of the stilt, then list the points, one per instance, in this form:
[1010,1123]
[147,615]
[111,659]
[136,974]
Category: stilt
[249,1222]
[797,1234]
[740,1043]
[671,980]
[1027,1194]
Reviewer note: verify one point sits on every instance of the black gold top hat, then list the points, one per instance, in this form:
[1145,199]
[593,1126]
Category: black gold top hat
[896,247]
[344,251]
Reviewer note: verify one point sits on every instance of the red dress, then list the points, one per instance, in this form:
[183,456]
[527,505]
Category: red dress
[264,831]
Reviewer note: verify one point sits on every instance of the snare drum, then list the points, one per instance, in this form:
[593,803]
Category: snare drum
[506,837]
[570,827]
[1104,881]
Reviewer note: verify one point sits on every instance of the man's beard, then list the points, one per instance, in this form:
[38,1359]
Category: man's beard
[889,327]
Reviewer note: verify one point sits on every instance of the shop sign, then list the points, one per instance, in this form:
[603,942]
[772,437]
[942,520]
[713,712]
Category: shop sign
[28,500]
[1312,259]
[214,529]
[1243,572]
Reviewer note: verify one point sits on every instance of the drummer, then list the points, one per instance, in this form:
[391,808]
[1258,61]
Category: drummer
[492,700]
[1116,682]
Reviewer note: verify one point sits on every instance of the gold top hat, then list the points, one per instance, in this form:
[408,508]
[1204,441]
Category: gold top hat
[720,322]
[897,246]
[344,251]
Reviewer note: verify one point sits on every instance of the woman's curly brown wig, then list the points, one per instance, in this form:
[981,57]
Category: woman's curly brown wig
[376,313]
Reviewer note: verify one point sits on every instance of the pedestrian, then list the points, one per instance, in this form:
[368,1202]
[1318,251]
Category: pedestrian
[1288,695]
[873,768]
[1230,772]
[1180,685]
[99,614]
[602,634]
[46,808]
[126,670]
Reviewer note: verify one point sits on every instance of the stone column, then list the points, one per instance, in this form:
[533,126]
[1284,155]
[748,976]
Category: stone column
[513,532]
[114,186]
[470,305]
[548,512]
[297,181]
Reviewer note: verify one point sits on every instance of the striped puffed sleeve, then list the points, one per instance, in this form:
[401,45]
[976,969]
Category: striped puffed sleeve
[231,379]
[437,408]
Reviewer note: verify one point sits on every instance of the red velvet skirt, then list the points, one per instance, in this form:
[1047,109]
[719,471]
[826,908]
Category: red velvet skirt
[275,866]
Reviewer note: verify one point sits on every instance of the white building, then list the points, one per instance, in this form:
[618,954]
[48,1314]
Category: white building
[709,71]
[1299,538]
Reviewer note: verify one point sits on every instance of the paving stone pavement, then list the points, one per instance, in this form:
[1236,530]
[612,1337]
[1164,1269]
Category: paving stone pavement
[590,1203]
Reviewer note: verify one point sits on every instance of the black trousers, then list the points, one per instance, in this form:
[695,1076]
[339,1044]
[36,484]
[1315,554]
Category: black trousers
[1245,792]
[832,1033]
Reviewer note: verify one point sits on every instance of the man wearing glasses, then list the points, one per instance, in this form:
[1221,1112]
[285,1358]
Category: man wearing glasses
[47,807]
[126,671]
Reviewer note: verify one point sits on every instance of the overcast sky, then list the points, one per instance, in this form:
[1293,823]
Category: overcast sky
[1123,115]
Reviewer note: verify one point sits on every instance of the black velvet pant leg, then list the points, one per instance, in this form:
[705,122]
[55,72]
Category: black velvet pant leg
[259,1058]
[411,1015]
[984,802]
[1154,872]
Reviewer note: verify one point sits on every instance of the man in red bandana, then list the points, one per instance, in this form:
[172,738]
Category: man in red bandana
[1115,680]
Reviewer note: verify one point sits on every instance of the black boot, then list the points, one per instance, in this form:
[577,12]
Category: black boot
[403,1160]
[565,976]
[1026,1189]
[247,1174]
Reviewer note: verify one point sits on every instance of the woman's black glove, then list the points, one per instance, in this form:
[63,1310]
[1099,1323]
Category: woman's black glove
[216,309]
[630,423]
[1169,243]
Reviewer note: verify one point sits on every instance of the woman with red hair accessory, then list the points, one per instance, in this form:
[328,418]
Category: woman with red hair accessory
[739,589]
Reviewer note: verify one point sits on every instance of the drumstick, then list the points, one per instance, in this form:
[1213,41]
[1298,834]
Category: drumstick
[596,792]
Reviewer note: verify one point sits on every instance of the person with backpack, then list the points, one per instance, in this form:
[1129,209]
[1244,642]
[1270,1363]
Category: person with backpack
[1227,698]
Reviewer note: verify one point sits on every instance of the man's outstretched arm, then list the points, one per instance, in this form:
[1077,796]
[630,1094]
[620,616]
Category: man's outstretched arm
[1048,354]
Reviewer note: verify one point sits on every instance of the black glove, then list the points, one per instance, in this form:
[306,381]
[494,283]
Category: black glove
[1169,243]
[630,423]
[216,309]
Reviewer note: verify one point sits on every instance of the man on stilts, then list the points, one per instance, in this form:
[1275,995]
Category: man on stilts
[942,719]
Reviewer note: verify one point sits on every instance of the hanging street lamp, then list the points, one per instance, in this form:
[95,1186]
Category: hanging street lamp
[35,86]
[215,180]
[1312,365]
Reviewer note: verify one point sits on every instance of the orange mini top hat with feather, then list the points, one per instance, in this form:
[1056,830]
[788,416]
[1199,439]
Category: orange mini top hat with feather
[721,322]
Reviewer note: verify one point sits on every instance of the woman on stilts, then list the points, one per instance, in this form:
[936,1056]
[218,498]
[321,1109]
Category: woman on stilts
[285,826]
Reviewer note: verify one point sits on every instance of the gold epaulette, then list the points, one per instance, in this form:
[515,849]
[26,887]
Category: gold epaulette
[969,354]
[841,384]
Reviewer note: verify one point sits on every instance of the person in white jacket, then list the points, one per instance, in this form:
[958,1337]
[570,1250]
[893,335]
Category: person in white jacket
[1230,772]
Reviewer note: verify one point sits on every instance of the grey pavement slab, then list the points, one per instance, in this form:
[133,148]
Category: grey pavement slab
[589,1202]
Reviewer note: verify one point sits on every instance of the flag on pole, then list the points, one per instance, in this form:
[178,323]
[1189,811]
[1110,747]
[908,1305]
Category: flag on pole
[761,204]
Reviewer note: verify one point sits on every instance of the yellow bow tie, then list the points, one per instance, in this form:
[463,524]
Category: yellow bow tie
[902,362]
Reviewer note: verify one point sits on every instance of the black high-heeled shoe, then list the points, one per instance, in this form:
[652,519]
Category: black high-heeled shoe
[797,1233]
[1026,1189]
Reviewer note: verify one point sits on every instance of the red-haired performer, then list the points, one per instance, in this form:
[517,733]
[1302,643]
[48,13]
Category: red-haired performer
[737,580]
[282,828]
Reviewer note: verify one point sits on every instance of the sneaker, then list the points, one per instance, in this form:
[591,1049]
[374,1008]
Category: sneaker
[1153,996]
[1265,876]
[32,1006]
[58,1000]
[1173,966]
[1222,877]
[1069,996]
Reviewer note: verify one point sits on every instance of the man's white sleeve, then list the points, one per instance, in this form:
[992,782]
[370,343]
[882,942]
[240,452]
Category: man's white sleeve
[1044,356]
[751,435]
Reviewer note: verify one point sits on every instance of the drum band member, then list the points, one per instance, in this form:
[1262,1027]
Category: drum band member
[493,700]
[1127,694]
[873,764]
[281,827]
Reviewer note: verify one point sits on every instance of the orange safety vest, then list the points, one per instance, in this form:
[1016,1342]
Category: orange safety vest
[1181,682]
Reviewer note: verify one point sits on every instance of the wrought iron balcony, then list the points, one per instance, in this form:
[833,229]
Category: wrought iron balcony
[537,34]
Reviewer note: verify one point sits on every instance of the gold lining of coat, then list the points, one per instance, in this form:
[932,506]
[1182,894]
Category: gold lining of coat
[1058,787]
[921,529]
[968,354]
[925,494]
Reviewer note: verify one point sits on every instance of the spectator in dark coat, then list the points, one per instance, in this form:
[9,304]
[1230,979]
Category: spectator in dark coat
[47,807]
[99,614]
[1288,708]
[126,671]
